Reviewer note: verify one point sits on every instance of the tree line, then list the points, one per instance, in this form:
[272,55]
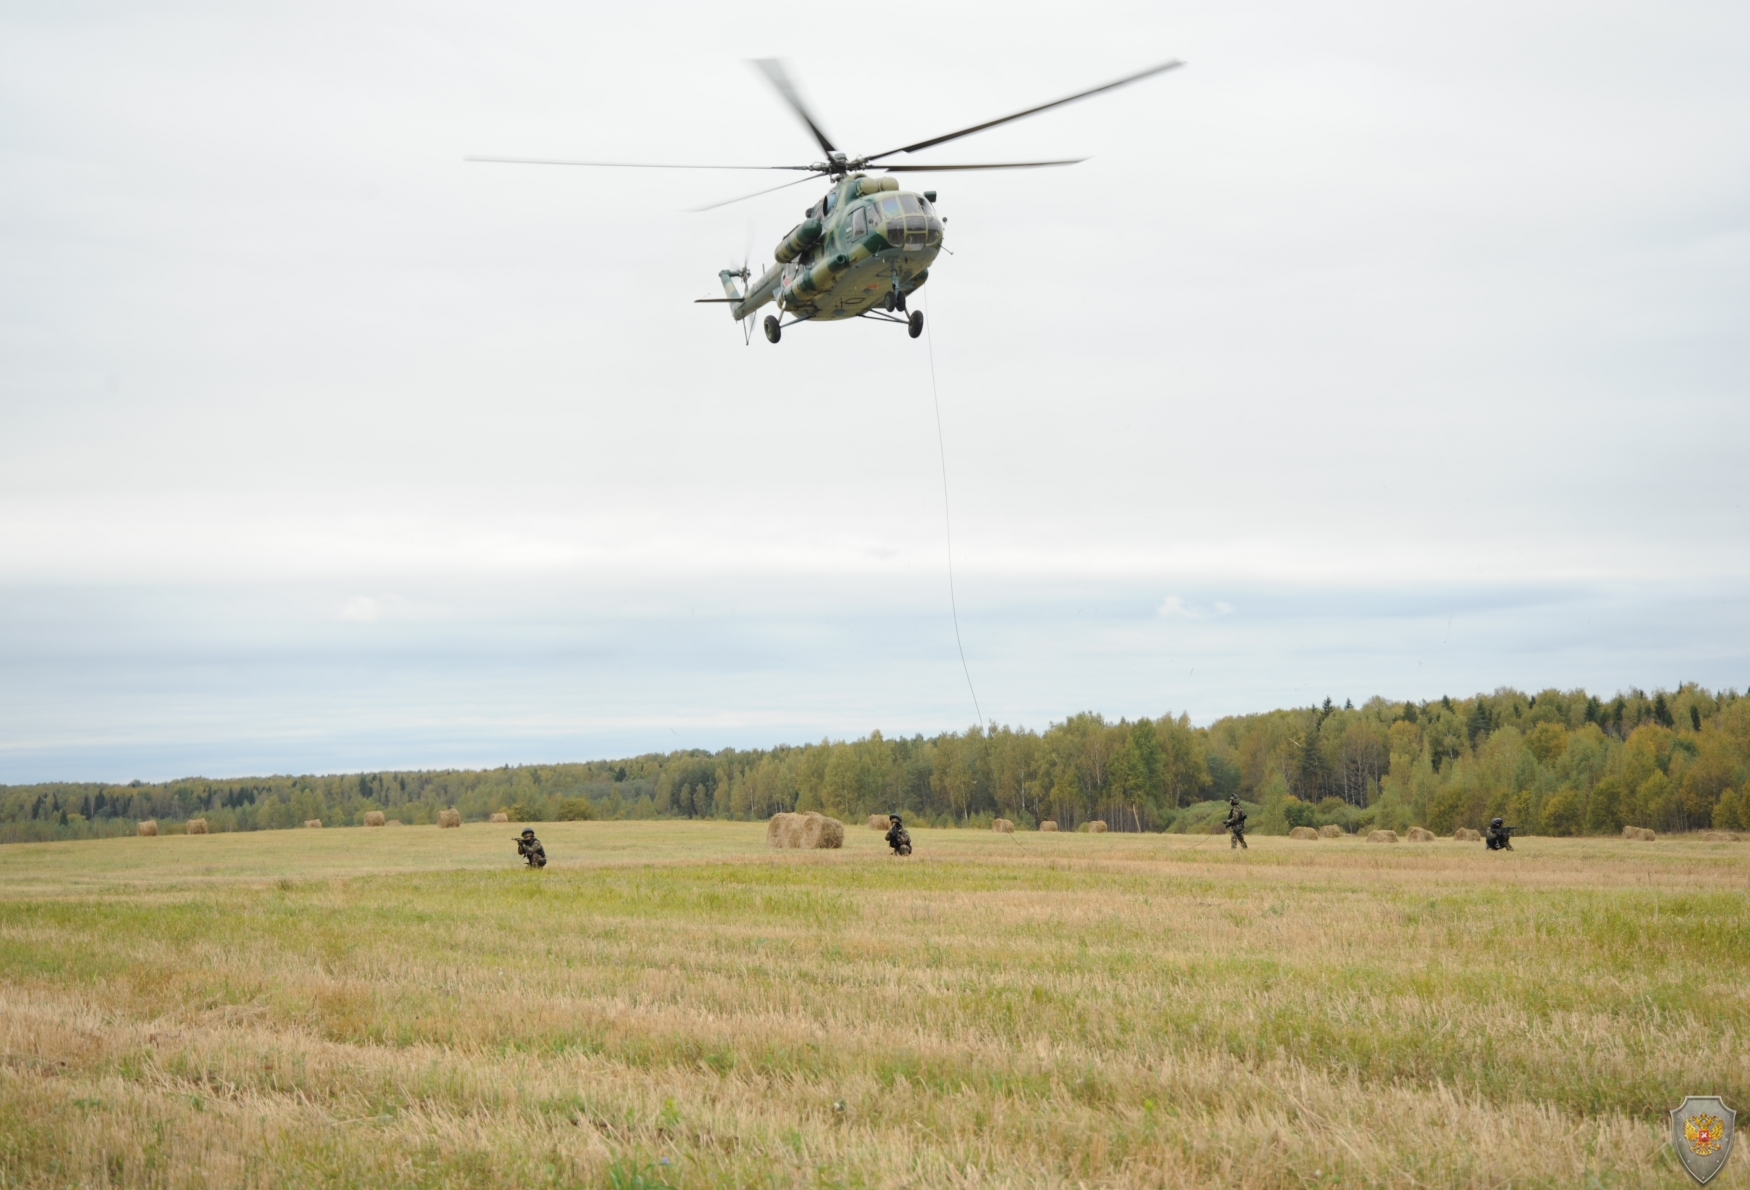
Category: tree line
[1555,762]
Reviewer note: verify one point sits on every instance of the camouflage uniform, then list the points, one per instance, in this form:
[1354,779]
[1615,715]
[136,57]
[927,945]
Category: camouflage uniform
[530,849]
[1500,837]
[897,836]
[1236,825]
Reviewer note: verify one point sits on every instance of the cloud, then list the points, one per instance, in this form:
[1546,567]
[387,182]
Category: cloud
[1175,607]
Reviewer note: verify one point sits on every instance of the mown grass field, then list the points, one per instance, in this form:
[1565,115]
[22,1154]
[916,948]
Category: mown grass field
[673,1003]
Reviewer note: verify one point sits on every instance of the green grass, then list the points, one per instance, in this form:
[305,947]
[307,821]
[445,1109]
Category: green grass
[408,1006]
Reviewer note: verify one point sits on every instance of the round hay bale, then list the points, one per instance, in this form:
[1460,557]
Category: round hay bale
[309,823]
[198,826]
[374,818]
[1002,826]
[1330,831]
[1383,837]
[147,829]
[1465,834]
[1418,834]
[449,818]
[394,822]
[499,816]
[1303,832]
[1096,827]
[1048,825]
[1720,837]
[878,822]
[1638,833]
[820,833]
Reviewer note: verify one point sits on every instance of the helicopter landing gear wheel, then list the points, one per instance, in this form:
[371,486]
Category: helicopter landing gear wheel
[895,300]
[773,331]
[915,324]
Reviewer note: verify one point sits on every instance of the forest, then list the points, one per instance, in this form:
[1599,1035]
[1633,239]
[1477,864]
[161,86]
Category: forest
[1552,763]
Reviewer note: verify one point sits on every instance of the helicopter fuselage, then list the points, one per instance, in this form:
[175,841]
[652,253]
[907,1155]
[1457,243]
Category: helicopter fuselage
[865,243]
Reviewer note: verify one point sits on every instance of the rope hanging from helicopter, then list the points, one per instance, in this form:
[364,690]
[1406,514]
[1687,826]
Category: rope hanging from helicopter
[947,516]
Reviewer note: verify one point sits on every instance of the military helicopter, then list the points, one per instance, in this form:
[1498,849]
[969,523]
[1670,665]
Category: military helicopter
[866,245]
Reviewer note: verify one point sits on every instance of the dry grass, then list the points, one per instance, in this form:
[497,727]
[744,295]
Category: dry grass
[362,1008]
[878,822]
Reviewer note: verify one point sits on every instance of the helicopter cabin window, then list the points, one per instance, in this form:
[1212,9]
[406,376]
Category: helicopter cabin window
[857,225]
[829,202]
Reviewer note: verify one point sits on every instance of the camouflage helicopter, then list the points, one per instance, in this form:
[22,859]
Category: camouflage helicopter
[866,245]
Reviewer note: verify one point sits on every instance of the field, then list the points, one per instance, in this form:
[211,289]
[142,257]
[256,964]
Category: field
[672,1003]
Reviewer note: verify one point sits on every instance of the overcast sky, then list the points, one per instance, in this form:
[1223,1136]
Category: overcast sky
[1397,349]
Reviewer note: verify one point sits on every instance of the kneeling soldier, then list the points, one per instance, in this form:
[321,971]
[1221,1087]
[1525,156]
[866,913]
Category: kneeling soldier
[897,836]
[530,849]
[1500,837]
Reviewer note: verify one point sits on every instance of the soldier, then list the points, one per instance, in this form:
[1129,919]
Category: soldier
[1236,824]
[1500,837]
[530,849]
[897,836]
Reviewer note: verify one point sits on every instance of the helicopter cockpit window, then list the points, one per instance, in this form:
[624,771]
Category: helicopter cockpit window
[829,202]
[910,203]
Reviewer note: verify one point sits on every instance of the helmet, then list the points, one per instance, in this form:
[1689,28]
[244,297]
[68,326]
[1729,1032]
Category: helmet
[528,832]
[1495,822]
[894,817]
[1233,799]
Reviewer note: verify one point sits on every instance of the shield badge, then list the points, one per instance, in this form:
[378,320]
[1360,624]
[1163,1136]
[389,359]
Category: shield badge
[1701,1132]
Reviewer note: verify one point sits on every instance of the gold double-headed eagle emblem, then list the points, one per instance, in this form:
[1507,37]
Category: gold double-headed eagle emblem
[1701,1134]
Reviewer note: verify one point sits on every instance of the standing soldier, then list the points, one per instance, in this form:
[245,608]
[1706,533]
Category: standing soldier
[530,849]
[897,836]
[1236,824]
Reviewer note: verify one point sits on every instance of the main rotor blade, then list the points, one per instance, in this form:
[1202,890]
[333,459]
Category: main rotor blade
[1032,111]
[745,197]
[773,69]
[918,169]
[622,164]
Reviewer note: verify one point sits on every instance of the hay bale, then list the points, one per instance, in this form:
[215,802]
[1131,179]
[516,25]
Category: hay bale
[1048,825]
[1720,837]
[793,829]
[1465,834]
[1383,837]
[1638,833]
[374,818]
[878,822]
[197,826]
[147,829]
[499,816]
[1419,834]
[1096,827]
[820,833]
[1002,826]
[450,817]
[311,823]
[394,822]
[1330,831]
[1303,832]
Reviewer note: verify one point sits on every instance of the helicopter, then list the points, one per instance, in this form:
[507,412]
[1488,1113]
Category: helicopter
[866,245]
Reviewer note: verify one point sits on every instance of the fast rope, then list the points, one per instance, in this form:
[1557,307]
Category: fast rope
[947,519]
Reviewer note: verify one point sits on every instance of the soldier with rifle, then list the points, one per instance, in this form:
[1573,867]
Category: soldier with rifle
[1500,837]
[530,849]
[898,837]
[1236,824]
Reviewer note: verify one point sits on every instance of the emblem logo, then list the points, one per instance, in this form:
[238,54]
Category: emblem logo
[1701,1132]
